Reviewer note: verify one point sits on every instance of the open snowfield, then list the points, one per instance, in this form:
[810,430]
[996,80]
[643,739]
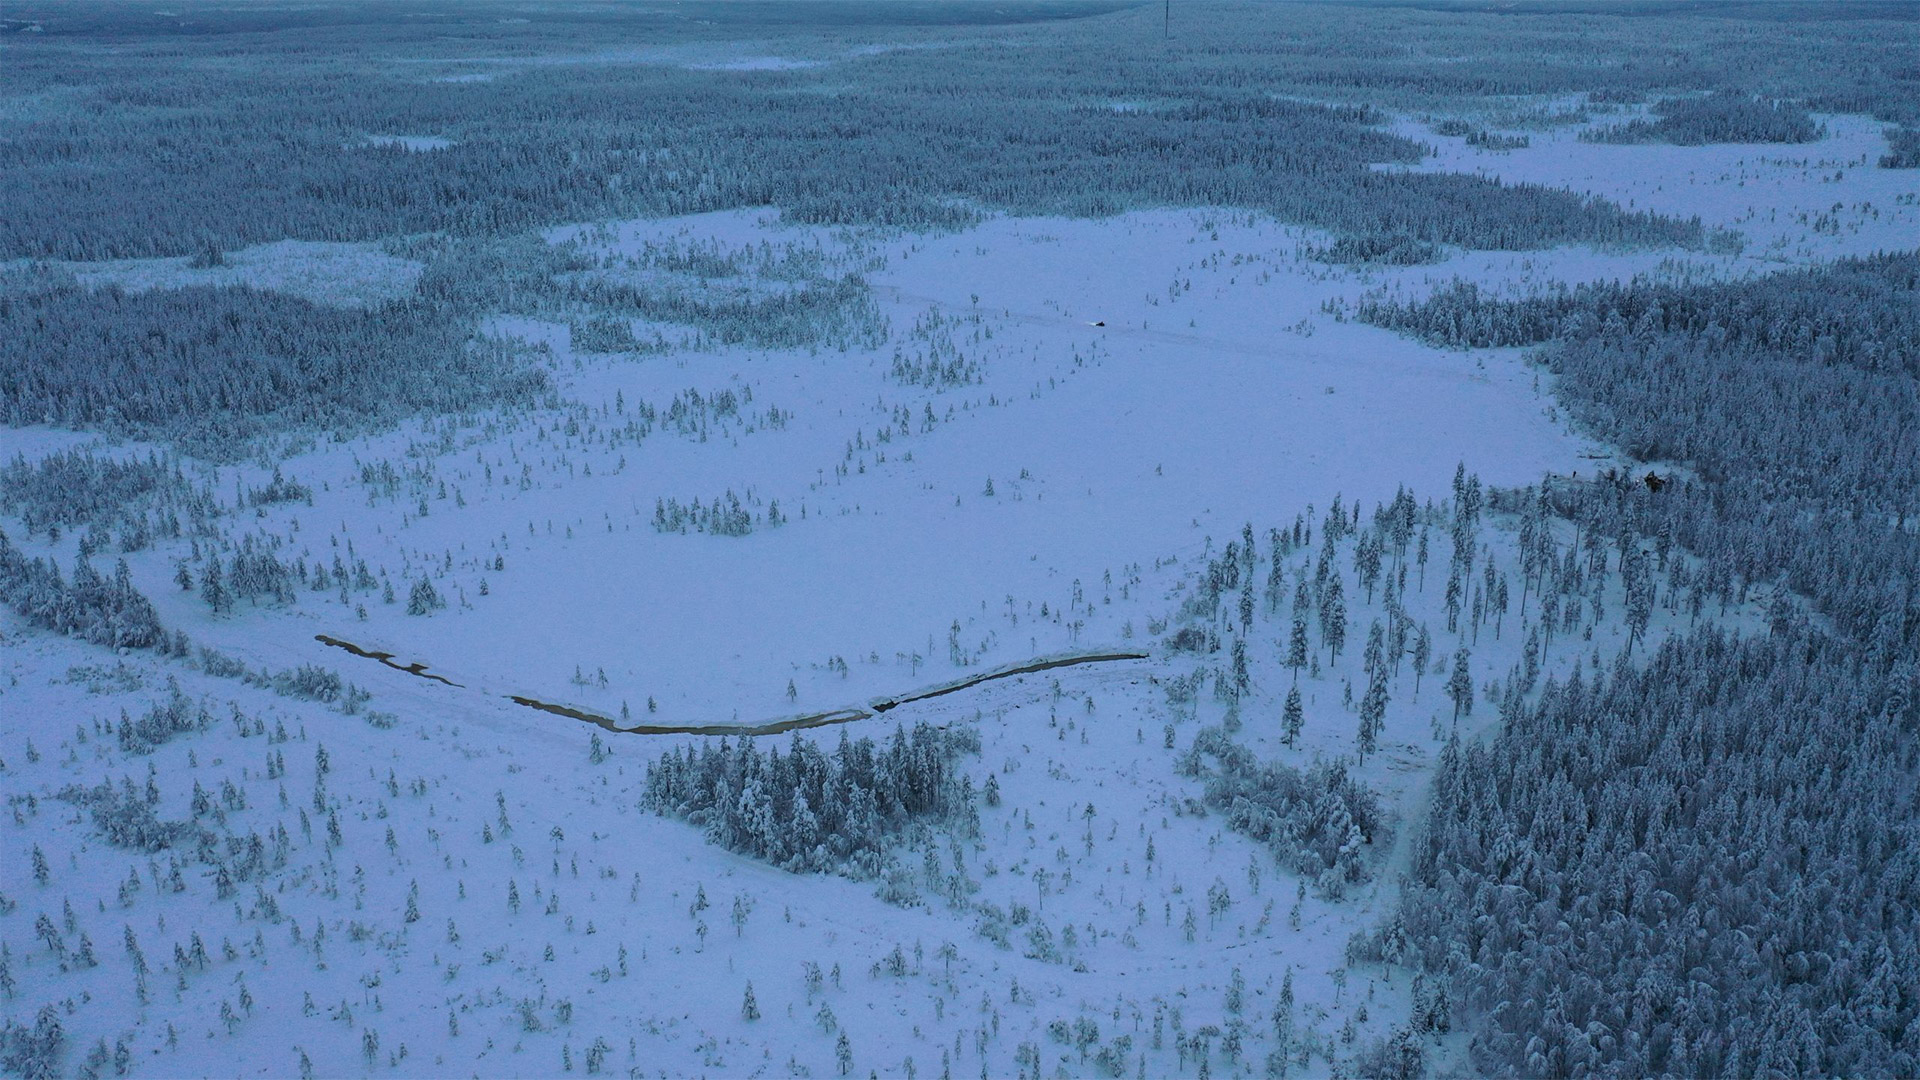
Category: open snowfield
[1058,428]
[1192,411]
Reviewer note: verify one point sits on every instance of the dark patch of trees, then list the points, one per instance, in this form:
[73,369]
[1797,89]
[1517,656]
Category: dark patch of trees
[1903,148]
[809,810]
[280,489]
[731,518]
[1724,117]
[253,571]
[139,498]
[125,816]
[1384,250]
[213,368]
[1320,824]
[161,723]
[34,1052]
[1702,867]
[104,611]
[838,311]
[1793,397]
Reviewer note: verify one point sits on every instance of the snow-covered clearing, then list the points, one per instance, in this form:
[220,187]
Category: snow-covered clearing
[1215,394]
[341,274]
[409,142]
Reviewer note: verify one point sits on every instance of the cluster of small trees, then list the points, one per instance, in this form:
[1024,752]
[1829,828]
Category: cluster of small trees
[938,361]
[162,722]
[808,810]
[1383,554]
[280,489]
[104,611]
[837,312]
[423,598]
[1386,250]
[606,334]
[75,487]
[1903,148]
[1319,823]
[731,518]
[34,1052]
[692,413]
[252,572]
[124,814]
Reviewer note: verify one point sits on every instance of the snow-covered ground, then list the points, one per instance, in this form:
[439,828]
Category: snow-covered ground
[1139,388]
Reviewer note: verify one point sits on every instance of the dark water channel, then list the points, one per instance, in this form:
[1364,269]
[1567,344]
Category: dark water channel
[771,727]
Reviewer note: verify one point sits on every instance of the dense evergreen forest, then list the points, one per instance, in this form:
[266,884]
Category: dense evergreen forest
[1717,118]
[1704,863]
[1753,385]
[1080,120]
[212,367]
[808,810]
[182,151]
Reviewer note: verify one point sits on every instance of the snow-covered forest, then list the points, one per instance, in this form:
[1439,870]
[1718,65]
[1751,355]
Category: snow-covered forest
[1046,539]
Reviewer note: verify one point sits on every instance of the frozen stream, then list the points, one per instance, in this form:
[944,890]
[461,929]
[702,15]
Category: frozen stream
[770,727]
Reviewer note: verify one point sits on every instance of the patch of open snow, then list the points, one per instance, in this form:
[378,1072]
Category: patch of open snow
[409,142]
[342,274]
[757,63]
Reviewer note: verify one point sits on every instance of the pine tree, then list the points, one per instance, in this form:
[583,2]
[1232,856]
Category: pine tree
[1373,710]
[1293,718]
[1422,655]
[213,588]
[1333,618]
[1460,684]
[424,599]
[749,1009]
[1374,659]
[1297,643]
[1366,558]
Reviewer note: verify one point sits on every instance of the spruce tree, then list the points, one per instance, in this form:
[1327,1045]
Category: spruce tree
[213,588]
[1297,644]
[1460,684]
